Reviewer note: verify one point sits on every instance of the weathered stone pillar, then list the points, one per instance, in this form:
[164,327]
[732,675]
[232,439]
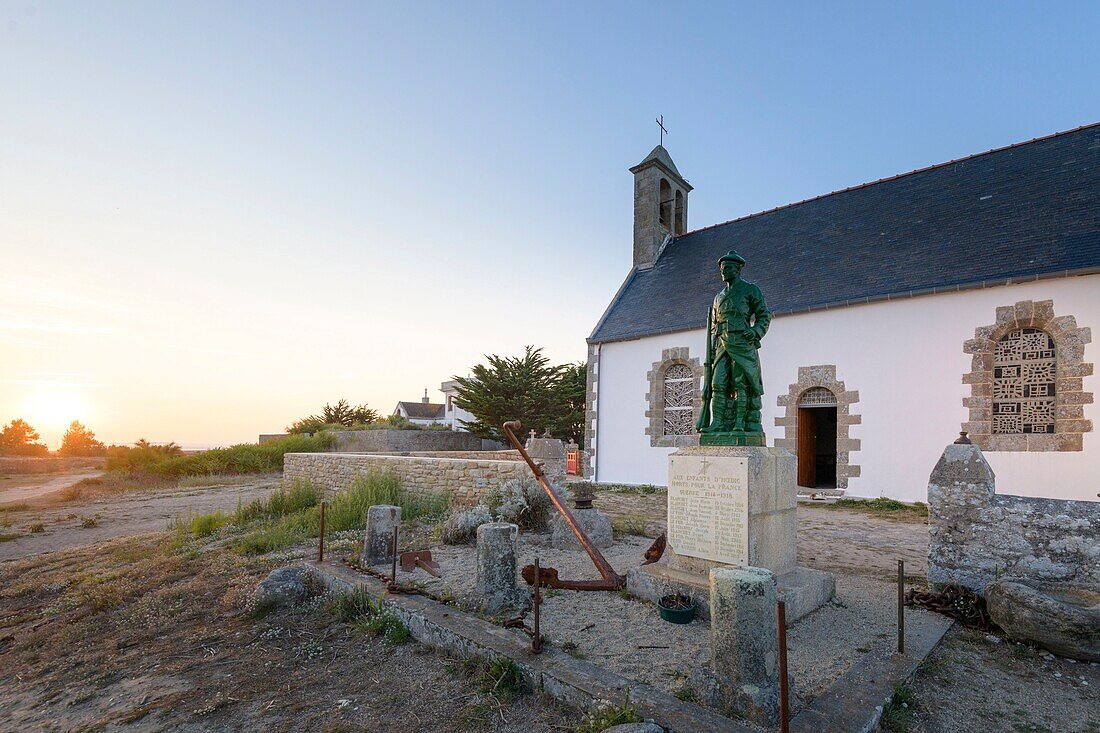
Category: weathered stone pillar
[744,669]
[496,565]
[378,544]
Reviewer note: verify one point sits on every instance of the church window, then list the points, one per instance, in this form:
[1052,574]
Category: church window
[673,401]
[679,396]
[1024,382]
[680,226]
[816,396]
[665,206]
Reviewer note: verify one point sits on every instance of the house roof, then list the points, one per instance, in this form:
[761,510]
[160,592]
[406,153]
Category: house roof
[1022,212]
[422,410]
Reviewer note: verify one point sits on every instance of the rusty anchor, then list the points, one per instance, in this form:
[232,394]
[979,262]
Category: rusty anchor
[548,577]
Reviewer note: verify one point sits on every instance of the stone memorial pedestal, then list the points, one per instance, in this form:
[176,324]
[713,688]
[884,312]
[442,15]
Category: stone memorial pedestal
[732,506]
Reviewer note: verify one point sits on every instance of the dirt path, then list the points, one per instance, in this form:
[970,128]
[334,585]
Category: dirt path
[31,486]
[79,523]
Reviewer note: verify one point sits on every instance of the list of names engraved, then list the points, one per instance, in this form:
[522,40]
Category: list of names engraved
[708,507]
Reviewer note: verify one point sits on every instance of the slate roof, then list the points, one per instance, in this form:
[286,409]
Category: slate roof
[422,410]
[1022,212]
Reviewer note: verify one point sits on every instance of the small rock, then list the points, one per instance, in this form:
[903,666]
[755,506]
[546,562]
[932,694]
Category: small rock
[1058,675]
[282,588]
[993,639]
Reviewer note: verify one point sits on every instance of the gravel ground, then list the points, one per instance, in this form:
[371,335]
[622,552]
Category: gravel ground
[627,636]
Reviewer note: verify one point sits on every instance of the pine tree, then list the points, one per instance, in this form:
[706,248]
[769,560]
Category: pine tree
[79,441]
[18,438]
[526,388]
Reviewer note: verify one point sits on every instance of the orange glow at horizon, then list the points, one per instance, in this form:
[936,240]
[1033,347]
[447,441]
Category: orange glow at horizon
[52,412]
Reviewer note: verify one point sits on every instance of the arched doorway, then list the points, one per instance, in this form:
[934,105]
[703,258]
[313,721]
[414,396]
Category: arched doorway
[817,422]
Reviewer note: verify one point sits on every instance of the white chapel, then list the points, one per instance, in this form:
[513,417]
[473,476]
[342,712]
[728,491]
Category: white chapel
[958,297]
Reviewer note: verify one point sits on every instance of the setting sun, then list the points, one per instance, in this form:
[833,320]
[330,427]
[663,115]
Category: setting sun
[53,411]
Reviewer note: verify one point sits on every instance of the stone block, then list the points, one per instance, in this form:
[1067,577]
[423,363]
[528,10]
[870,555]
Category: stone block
[1063,618]
[772,542]
[496,566]
[744,661]
[378,542]
[978,537]
[595,524]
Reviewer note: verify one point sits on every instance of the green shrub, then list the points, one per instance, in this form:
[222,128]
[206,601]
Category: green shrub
[605,717]
[501,676]
[205,525]
[169,462]
[348,508]
[881,505]
[898,715]
[353,605]
[276,534]
[368,615]
[298,497]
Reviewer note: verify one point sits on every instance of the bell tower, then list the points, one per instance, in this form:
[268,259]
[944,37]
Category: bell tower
[660,205]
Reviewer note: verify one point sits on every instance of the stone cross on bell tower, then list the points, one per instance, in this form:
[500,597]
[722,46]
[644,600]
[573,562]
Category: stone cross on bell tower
[660,203]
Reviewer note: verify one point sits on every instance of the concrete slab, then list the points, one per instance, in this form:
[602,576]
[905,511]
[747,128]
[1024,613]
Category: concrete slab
[575,682]
[855,701]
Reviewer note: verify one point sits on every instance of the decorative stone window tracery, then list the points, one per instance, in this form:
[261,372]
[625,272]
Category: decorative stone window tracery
[816,396]
[674,400]
[1027,381]
[1023,383]
[678,398]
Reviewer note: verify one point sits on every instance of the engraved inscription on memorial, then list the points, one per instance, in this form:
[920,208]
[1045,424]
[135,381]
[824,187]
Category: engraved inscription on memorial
[708,508]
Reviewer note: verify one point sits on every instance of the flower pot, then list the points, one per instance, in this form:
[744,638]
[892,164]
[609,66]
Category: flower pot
[677,608]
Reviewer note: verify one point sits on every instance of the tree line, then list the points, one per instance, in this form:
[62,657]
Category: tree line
[544,396]
[19,438]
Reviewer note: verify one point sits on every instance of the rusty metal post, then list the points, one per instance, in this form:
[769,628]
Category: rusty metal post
[901,607]
[321,541]
[536,640]
[393,572]
[784,705]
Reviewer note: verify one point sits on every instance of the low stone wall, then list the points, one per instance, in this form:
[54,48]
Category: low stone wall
[390,441]
[16,465]
[978,537]
[480,455]
[464,479]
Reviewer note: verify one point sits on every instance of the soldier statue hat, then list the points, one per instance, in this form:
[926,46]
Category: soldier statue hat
[731,255]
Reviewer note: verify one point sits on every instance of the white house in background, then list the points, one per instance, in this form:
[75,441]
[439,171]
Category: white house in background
[455,416]
[424,412]
[958,297]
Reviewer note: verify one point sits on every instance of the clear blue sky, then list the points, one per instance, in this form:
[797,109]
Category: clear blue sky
[244,210]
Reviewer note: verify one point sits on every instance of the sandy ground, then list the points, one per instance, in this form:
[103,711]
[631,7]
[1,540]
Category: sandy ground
[65,524]
[626,635]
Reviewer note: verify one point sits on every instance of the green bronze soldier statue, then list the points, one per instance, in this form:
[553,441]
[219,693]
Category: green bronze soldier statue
[732,385]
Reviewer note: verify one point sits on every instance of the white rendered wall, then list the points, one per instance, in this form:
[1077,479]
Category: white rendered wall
[905,357]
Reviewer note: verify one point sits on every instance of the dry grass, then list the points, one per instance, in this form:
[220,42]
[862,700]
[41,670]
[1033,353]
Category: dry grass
[111,483]
[146,629]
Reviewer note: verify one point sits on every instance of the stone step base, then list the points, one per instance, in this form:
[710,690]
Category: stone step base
[803,589]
